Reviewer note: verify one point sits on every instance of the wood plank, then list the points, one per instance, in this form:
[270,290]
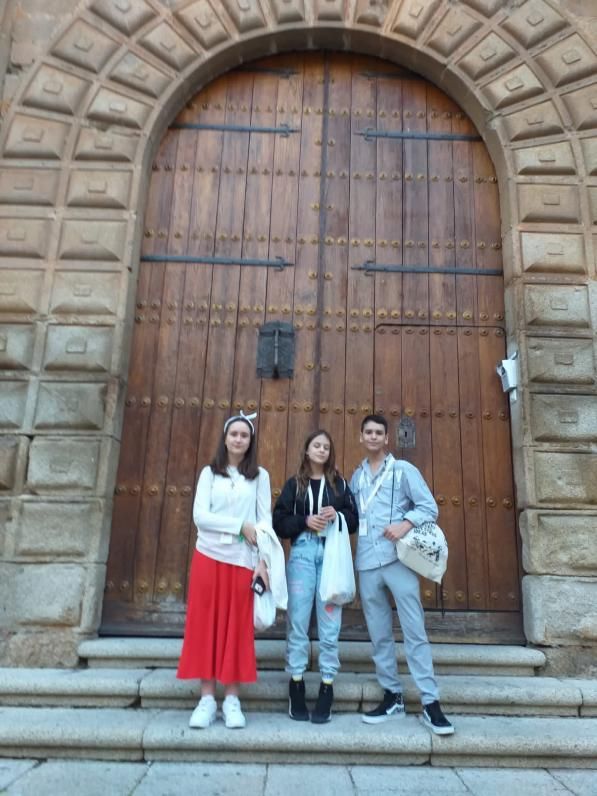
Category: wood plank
[304,390]
[471,440]
[360,288]
[273,432]
[447,462]
[334,264]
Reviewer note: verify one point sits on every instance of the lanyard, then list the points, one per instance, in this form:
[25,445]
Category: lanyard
[380,479]
[319,497]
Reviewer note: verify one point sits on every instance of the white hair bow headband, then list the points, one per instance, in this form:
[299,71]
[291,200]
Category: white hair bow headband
[247,418]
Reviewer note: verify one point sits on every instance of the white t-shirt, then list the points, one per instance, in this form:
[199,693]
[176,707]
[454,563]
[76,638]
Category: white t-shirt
[221,506]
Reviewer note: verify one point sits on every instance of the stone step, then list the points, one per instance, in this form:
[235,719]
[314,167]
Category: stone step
[129,734]
[116,653]
[159,688]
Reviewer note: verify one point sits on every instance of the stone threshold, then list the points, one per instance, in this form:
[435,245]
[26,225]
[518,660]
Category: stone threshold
[125,734]
[355,656]
[159,688]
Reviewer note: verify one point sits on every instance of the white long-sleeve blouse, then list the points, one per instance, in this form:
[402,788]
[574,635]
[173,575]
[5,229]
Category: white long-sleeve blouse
[221,506]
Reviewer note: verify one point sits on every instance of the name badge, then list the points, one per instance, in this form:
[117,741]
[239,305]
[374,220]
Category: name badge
[362,527]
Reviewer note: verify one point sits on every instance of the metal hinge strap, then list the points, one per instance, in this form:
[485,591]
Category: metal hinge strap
[284,130]
[370,135]
[277,262]
[369,266]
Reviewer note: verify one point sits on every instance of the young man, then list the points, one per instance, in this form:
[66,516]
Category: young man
[392,497]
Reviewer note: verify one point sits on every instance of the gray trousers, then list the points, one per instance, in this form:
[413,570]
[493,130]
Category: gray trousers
[404,586]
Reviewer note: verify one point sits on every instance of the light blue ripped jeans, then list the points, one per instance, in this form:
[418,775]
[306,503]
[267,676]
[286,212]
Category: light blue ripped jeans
[303,574]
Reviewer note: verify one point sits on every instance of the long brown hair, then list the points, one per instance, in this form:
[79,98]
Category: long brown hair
[247,467]
[330,472]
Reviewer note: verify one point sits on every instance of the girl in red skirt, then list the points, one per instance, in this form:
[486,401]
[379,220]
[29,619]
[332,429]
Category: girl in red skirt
[233,495]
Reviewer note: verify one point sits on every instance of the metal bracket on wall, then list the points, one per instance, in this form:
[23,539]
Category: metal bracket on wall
[279,263]
[370,267]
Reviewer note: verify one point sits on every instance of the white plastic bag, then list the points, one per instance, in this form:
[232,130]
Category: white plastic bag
[337,584]
[264,610]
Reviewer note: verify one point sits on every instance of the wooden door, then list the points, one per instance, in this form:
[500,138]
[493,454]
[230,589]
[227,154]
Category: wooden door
[354,200]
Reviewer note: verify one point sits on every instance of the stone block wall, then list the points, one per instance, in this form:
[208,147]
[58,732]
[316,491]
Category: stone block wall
[86,92]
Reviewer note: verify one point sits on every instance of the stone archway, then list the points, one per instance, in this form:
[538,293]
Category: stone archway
[76,146]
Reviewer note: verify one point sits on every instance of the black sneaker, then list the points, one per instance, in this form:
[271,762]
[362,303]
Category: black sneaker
[297,707]
[433,717]
[322,712]
[390,707]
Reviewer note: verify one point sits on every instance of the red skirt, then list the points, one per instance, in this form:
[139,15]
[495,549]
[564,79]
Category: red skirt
[219,638]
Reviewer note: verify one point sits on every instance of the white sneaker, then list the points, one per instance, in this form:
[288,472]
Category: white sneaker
[204,714]
[233,715]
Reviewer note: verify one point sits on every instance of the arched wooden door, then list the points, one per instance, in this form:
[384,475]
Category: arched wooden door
[355,201]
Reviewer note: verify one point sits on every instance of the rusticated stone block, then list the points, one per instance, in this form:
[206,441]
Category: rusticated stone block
[17,295]
[28,186]
[92,240]
[564,418]
[86,46]
[487,55]
[42,594]
[23,237]
[370,12]
[412,17]
[13,401]
[127,16]
[559,543]
[139,74]
[455,28]
[593,203]
[557,305]
[79,348]
[568,60]
[487,7]
[33,647]
[54,90]
[552,159]
[99,189]
[589,148]
[569,478]
[286,12]
[246,14]
[560,361]
[110,106]
[12,452]
[533,23]
[16,346]
[73,407]
[551,253]
[82,293]
[118,146]
[58,528]
[165,43]
[515,86]
[538,120]
[582,106]
[59,464]
[559,610]
[549,203]
[201,19]
[32,137]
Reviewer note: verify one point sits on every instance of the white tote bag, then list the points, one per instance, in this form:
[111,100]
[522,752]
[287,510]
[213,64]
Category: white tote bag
[337,584]
[424,549]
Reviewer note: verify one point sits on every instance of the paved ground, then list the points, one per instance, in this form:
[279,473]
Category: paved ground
[92,778]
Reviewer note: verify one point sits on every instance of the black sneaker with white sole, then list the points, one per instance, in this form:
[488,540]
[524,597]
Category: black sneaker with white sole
[433,717]
[390,707]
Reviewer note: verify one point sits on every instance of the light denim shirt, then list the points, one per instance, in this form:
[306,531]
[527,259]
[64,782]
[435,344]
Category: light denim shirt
[411,500]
